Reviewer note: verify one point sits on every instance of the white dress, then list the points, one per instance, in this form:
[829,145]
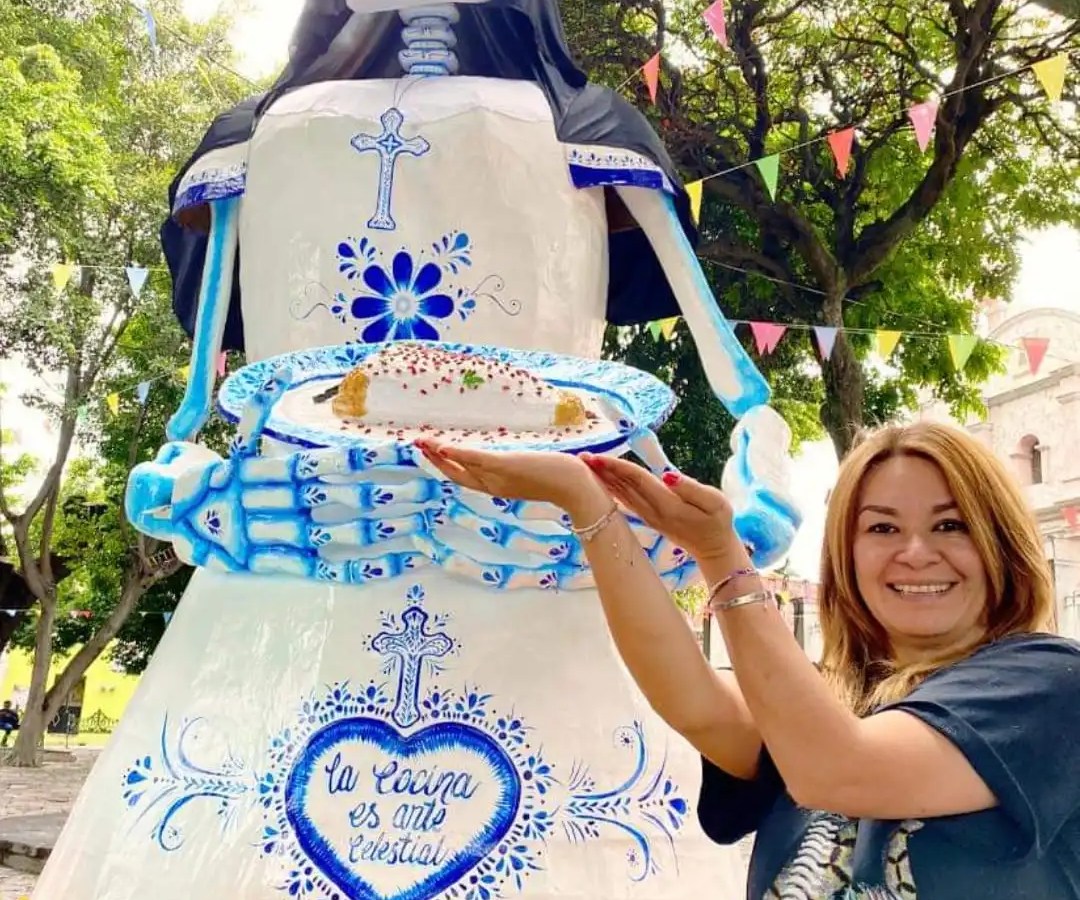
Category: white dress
[419,734]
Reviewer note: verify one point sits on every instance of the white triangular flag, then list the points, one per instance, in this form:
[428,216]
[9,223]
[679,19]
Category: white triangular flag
[137,276]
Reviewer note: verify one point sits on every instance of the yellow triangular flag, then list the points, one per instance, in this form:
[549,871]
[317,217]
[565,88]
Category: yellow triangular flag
[113,402]
[886,342]
[694,191]
[1051,74]
[61,274]
[184,373]
[667,327]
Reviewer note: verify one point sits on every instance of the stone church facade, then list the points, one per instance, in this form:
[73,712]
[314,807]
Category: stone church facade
[1033,426]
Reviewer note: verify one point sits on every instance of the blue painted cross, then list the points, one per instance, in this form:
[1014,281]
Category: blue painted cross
[411,646]
[389,145]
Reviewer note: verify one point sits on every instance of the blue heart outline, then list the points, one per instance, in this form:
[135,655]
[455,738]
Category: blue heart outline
[435,738]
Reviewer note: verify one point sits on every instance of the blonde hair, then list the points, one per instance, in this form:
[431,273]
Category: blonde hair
[856,658]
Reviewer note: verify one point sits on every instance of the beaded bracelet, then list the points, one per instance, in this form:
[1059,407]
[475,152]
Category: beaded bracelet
[587,534]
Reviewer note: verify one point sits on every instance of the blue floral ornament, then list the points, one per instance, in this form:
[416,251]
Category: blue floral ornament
[403,301]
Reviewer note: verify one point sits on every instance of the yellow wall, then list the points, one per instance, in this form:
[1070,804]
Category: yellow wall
[105,690]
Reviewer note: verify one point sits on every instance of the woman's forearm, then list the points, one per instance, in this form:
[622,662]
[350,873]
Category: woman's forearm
[809,733]
[657,646]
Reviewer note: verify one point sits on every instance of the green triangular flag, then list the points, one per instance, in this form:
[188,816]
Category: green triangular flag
[769,167]
[655,329]
[960,347]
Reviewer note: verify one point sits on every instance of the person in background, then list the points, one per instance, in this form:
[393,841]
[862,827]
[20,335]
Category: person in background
[933,753]
[9,722]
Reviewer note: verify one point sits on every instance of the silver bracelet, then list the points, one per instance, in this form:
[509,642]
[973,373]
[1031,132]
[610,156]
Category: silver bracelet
[751,599]
[585,535]
[724,582]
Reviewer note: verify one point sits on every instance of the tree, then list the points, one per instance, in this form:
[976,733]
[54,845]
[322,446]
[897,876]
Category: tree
[15,594]
[92,531]
[98,125]
[906,240]
[695,438]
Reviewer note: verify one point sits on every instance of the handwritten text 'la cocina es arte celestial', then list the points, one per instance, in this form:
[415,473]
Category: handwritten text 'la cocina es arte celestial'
[404,813]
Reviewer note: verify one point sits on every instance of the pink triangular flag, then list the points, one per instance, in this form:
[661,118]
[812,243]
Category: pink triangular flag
[222,363]
[923,117]
[714,17]
[767,335]
[1072,516]
[826,339]
[840,142]
[1035,348]
[651,69]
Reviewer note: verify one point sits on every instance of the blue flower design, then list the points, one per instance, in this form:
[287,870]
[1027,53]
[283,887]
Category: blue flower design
[403,301]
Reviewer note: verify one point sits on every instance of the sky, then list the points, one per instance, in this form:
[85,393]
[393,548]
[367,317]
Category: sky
[1050,260]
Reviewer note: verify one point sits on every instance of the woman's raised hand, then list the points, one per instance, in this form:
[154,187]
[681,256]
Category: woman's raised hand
[692,515]
[556,478]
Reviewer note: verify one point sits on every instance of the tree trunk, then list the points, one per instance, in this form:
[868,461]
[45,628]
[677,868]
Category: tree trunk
[842,412]
[134,588]
[34,721]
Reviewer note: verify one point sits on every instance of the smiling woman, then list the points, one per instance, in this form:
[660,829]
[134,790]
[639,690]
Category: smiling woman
[930,552]
[932,755]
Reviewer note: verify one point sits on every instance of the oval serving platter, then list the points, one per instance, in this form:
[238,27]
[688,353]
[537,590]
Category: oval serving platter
[630,399]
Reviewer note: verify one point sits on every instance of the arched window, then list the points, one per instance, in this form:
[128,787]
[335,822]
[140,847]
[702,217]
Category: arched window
[1031,460]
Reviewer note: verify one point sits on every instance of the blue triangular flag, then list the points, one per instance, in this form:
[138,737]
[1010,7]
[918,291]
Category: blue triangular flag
[168,617]
[137,279]
[142,392]
[151,25]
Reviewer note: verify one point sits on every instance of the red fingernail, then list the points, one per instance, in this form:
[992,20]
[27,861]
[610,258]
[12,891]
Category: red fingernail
[596,463]
[672,478]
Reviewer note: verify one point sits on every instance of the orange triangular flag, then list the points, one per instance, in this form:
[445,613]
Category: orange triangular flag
[886,342]
[1051,74]
[1072,516]
[840,143]
[651,69]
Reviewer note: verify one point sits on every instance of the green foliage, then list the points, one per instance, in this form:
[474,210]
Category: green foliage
[908,241]
[697,434]
[94,125]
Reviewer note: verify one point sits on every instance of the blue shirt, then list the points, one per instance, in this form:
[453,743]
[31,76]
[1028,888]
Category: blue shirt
[1013,710]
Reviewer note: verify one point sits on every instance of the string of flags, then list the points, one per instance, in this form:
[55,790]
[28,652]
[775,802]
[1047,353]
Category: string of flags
[767,337]
[152,26]
[86,614]
[63,272]
[923,116]
[142,390]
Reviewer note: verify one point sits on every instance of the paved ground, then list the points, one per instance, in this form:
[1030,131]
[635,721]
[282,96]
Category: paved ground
[47,792]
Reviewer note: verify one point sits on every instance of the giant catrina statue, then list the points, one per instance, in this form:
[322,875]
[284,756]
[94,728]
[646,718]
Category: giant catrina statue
[379,685]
